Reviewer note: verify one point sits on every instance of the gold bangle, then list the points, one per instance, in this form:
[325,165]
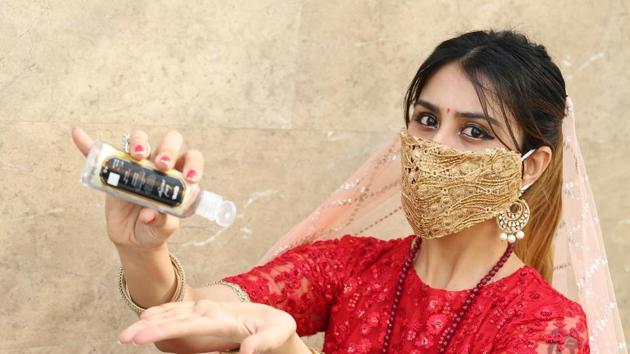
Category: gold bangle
[178,296]
[242,295]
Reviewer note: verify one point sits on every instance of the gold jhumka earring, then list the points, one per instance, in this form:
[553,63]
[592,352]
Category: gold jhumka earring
[513,221]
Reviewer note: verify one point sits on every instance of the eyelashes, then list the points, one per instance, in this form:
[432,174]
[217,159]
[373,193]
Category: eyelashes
[470,130]
[476,132]
[431,121]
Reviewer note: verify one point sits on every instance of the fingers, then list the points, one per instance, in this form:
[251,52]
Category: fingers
[151,216]
[168,150]
[81,140]
[191,164]
[257,327]
[165,156]
[165,224]
[139,146]
[147,331]
[165,322]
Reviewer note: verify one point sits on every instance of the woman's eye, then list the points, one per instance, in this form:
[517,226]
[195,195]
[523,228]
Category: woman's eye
[427,120]
[476,133]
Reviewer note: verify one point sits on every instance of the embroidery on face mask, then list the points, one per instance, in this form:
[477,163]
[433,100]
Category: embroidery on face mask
[445,190]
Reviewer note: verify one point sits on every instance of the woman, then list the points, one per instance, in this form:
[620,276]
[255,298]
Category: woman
[482,168]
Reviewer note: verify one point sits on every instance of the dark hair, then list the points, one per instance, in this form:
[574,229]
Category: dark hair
[521,79]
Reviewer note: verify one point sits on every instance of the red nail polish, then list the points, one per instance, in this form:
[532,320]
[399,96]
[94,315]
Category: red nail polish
[192,175]
[165,159]
[138,148]
[152,220]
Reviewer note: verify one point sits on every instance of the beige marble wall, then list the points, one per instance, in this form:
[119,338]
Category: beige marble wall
[284,98]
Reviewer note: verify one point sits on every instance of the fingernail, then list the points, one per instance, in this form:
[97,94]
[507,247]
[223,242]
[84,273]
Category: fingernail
[192,175]
[165,160]
[152,220]
[138,148]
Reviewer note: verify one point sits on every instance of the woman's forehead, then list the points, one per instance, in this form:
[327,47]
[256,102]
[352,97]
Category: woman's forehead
[450,88]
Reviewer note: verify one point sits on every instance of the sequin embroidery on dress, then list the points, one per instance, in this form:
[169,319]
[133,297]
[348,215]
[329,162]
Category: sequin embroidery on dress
[345,288]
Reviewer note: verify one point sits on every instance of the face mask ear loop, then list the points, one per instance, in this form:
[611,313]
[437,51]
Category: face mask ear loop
[527,154]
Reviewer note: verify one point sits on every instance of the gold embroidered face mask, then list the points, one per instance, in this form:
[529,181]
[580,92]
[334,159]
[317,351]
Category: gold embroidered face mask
[445,190]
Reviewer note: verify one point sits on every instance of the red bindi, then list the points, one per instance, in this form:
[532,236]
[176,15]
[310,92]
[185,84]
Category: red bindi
[448,109]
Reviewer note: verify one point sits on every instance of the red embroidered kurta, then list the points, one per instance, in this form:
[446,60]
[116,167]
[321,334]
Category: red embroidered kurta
[345,287]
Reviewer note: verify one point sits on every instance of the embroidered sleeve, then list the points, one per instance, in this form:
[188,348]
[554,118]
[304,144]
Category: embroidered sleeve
[242,295]
[558,328]
[303,281]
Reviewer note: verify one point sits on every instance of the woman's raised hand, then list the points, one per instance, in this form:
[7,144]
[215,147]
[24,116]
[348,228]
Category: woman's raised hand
[258,327]
[130,225]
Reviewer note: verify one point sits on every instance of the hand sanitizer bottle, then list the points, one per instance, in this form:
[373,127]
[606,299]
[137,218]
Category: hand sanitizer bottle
[116,172]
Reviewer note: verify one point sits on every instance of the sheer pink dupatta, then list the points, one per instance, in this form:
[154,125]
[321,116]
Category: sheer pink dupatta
[368,203]
[580,265]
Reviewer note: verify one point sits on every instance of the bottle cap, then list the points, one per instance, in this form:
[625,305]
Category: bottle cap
[213,207]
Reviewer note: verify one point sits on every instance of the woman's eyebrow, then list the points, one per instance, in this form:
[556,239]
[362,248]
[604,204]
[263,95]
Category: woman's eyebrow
[470,115]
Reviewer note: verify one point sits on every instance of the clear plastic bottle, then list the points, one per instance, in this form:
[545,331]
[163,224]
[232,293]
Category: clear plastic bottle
[116,172]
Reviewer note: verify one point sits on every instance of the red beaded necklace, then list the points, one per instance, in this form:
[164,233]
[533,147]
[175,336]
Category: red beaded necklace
[447,334]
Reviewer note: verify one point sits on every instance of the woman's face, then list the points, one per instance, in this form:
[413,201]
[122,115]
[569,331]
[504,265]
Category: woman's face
[448,111]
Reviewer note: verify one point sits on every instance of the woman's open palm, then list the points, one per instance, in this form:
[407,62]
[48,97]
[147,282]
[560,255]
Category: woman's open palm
[257,327]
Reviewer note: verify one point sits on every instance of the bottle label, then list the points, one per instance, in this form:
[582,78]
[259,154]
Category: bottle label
[144,182]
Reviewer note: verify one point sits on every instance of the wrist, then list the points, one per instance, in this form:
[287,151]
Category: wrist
[134,256]
[141,252]
[180,286]
[149,275]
